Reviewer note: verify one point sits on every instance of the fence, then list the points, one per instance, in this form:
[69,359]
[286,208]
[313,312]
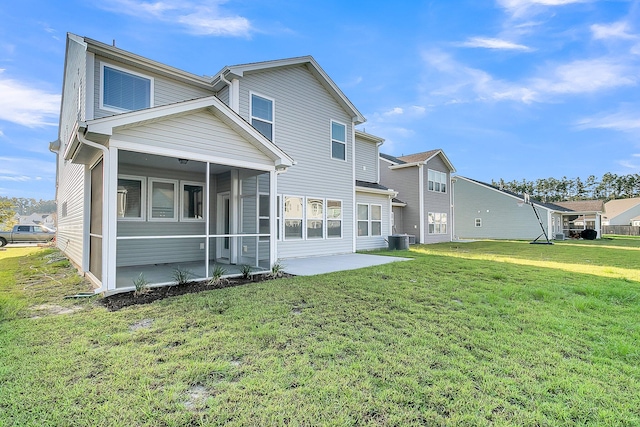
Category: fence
[624,230]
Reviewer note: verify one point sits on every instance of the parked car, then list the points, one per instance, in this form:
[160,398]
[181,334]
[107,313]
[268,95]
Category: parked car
[27,234]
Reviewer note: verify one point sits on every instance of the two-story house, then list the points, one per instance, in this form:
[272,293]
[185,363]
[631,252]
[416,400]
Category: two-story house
[158,168]
[422,181]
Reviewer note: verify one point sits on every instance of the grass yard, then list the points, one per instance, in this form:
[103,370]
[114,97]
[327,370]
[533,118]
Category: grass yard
[483,333]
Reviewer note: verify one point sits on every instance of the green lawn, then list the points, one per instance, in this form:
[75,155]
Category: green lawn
[483,333]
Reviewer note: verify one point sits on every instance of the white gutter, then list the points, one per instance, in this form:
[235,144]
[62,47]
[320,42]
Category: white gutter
[105,198]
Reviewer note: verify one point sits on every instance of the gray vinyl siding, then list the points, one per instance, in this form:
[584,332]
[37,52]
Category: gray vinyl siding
[405,182]
[625,217]
[366,161]
[165,91]
[302,128]
[500,214]
[223,95]
[375,242]
[197,133]
[70,177]
[436,201]
[398,219]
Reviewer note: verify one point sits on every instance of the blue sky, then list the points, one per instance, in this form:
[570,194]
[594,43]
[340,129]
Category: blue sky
[513,89]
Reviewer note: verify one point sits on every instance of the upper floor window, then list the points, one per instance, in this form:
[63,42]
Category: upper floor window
[437,181]
[125,90]
[262,115]
[338,141]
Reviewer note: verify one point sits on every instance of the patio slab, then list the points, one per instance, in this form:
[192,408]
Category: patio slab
[311,266]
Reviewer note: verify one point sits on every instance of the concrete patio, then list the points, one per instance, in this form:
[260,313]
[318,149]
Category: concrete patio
[328,264]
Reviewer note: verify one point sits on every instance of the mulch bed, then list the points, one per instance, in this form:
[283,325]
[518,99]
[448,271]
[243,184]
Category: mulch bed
[124,299]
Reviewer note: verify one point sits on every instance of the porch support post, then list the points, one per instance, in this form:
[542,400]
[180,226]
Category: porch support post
[110,220]
[207,218]
[233,216]
[273,221]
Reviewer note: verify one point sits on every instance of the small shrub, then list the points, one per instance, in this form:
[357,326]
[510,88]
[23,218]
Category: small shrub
[216,276]
[245,270]
[277,270]
[181,275]
[141,284]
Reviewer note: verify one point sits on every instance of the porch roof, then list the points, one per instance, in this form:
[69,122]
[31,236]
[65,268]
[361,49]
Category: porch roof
[100,130]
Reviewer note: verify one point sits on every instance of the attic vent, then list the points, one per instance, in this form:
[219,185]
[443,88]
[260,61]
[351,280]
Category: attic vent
[114,43]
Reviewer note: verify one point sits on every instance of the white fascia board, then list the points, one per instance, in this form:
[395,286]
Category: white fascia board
[388,192]
[145,63]
[368,137]
[406,165]
[402,205]
[445,158]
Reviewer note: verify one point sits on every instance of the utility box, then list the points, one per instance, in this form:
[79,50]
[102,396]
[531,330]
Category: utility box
[398,242]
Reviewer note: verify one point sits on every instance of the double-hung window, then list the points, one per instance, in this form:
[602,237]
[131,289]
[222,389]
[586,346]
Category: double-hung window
[293,214]
[124,90]
[338,141]
[163,203]
[262,115]
[437,181]
[479,222]
[315,218]
[369,220]
[131,197]
[334,218]
[437,223]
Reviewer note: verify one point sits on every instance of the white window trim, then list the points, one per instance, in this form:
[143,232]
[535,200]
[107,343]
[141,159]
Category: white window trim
[327,219]
[176,197]
[369,220]
[273,114]
[303,218]
[124,70]
[143,197]
[331,122]
[446,223]
[478,222]
[181,201]
[436,174]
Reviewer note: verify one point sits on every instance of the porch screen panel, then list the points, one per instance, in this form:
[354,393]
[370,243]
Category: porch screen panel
[95,222]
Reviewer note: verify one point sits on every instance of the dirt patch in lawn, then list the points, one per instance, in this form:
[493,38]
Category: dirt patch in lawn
[52,309]
[124,299]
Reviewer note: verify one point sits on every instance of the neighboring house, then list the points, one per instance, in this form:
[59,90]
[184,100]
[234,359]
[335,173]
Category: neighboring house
[621,211]
[635,221]
[161,168]
[584,221]
[48,220]
[484,211]
[422,181]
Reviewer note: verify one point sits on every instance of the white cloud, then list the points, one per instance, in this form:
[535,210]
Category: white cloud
[22,169]
[198,17]
[397,111]
[586,76]
[26,105]
[619,30]
[624,121]
[462,84]
[520,8]
[492,43]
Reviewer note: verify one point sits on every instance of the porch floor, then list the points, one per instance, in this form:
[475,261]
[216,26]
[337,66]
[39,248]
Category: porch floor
[163,273]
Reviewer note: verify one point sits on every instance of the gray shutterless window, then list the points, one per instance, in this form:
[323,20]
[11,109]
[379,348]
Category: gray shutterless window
[125,91]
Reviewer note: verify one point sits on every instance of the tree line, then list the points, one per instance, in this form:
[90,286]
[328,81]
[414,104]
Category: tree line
[24,206]
[610,186]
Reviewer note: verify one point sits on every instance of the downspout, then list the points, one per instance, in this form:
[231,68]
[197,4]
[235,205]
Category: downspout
[105,218]
[452,182]
[421,201]
[234,95]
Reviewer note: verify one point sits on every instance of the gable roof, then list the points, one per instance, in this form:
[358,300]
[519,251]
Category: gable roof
[237,71]
[616,207]
[392,159]
[418,159]
[368,137]
[583,205]
[99,130]
[550,206]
